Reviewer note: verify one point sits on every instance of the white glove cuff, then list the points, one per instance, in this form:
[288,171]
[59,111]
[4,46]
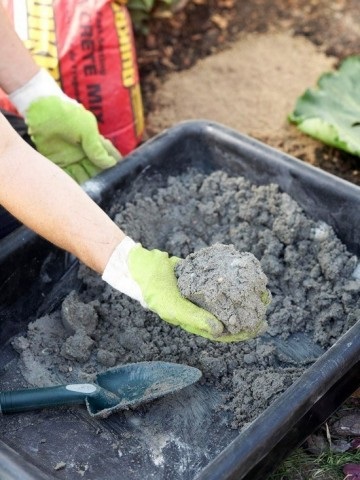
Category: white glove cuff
[117,272]
[40,85]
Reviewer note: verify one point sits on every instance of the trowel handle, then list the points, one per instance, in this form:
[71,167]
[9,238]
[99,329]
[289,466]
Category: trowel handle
[38,398]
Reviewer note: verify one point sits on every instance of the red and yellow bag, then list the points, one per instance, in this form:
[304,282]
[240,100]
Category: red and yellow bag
[88,47]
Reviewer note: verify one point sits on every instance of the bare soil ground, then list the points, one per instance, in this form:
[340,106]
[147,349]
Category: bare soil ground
[244,64]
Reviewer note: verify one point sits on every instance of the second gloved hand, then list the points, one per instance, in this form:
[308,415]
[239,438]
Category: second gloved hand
[67,134]
[62,129]
[148,276]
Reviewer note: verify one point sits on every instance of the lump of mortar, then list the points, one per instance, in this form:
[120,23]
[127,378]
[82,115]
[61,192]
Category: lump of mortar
[77,347]
[229,284]
[76,315]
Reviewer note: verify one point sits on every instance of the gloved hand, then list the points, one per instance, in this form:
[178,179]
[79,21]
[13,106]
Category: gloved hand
[148,276]
[62,129]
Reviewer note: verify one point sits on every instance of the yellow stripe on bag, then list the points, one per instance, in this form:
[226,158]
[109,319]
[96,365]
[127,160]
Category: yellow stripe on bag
[137,107]
[39,34]
[128,64]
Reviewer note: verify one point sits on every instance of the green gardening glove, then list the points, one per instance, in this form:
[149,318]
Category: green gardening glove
[67,134]
[153,271]
[62,129]
[148,276]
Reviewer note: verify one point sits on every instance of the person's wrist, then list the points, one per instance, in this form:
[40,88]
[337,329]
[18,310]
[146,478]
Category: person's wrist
[40,85]
[117,273]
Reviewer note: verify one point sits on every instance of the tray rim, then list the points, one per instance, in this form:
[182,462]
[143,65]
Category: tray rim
[241,452]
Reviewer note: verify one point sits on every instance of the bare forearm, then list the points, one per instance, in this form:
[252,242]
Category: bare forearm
[49,202]
[16,64]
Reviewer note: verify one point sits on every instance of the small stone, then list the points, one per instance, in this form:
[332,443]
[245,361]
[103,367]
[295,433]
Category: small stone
[60,466]
[249,358]
[20,344]
[349,425]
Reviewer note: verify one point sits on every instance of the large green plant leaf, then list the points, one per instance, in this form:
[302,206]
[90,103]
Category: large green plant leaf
[331,112]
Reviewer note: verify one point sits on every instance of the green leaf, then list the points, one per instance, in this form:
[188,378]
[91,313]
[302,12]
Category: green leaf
[139,20]
[331,112]
[145,5]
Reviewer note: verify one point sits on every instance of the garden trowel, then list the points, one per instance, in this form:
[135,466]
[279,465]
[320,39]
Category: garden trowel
[112,390]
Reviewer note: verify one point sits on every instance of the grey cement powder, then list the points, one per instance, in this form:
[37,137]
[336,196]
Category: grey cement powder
[308,268]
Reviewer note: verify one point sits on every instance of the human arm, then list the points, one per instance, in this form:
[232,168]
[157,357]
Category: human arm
[17,66]
[61,128]
[49,202]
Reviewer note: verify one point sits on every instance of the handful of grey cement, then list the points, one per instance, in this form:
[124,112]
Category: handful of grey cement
[229,284]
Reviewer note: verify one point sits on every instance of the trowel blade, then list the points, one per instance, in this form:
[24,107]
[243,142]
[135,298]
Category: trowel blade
[137,383]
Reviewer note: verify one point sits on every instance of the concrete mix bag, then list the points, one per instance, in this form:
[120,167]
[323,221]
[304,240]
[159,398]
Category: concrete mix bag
[88,47]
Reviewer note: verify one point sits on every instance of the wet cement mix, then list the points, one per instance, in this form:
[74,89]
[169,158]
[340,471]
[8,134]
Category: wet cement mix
[310,276]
